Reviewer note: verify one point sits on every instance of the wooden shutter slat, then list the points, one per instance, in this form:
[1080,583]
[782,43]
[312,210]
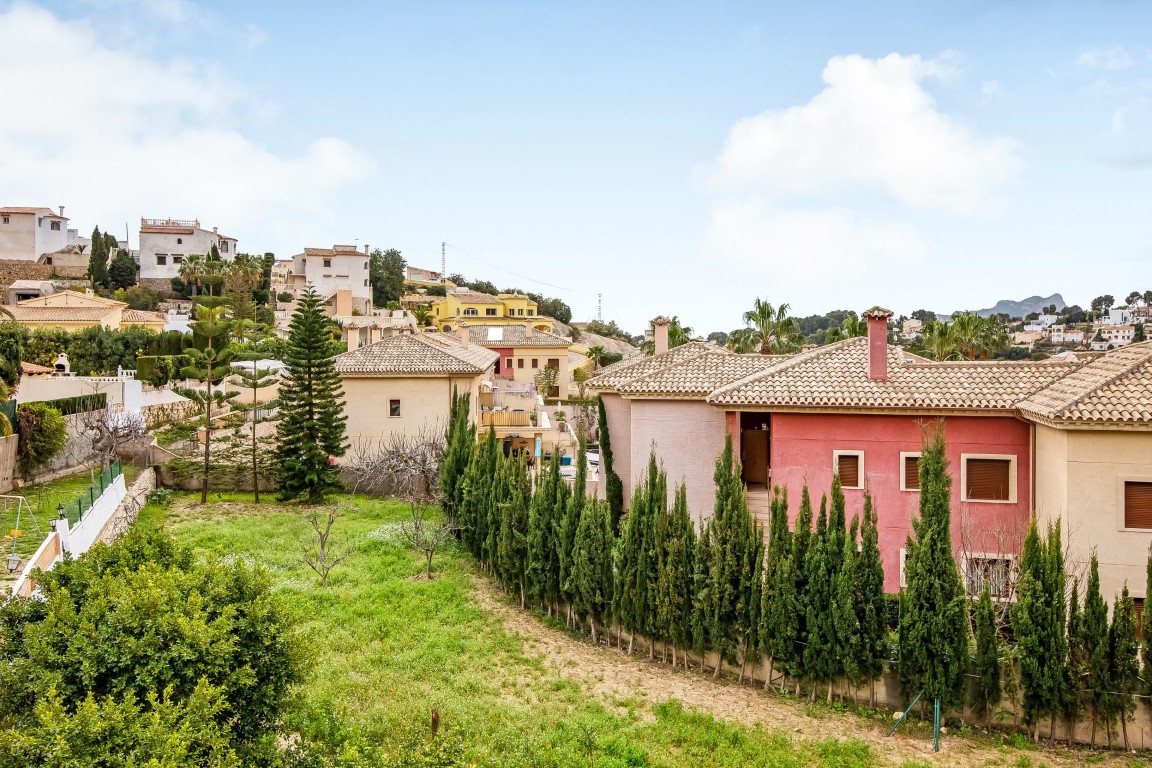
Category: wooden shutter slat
[848,467]
[1138,505]
[989,479]
[912,472]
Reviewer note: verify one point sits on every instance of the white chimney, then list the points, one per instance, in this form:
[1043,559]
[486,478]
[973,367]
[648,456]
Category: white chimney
[365,249]
[462,333]
[61,211]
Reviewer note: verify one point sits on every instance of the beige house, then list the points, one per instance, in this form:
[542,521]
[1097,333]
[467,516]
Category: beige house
[404,383]
[523,352]
[74,311]
[327,270]
[1093,445]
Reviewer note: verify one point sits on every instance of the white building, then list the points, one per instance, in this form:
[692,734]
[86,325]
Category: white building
[166,243]
[28,233]
[1118,316]
[1062,334]
[1112,336]
[328,270]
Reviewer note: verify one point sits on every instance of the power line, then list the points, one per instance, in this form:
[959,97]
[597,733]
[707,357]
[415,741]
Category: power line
[514,274]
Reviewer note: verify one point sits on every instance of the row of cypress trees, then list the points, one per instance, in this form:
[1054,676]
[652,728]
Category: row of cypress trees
[806,600]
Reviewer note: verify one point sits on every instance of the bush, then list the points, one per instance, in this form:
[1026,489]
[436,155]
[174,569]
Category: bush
[284,297]
[139,617]
[142,298]
[43,433]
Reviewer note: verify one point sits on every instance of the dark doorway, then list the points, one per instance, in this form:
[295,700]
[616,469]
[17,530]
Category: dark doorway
[754,448]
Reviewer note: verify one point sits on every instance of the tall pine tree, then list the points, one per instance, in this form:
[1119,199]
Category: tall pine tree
[459,442]
[933,620]
[310,435]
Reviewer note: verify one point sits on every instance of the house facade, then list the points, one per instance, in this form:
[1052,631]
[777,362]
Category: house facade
[523,352]
[857,408]
[74,311]
[27,233]
[404,384]
[478,308]
[166,243]
[328,270]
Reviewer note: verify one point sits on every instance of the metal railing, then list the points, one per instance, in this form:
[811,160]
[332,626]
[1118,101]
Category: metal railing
[75,512]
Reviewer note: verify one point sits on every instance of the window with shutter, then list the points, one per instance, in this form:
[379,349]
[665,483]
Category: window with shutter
[1138,505]
[848,466]
[910,471]
[988,479]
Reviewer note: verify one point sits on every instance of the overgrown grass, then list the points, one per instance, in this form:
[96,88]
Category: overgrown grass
[389,648]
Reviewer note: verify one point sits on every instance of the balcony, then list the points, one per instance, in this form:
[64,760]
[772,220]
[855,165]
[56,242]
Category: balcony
[505,419]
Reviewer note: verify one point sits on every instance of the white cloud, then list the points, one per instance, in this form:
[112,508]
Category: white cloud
[757,240]
[1112,59]
[873,125]
[116,134]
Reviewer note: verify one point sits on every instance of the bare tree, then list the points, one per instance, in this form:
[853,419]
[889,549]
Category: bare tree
[321,552]
[426,534]
[989,551]
[391,464]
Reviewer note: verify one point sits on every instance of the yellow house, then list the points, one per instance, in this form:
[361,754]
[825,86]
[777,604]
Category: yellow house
[485,309]
[1093,449]
[74,311]
[404,383]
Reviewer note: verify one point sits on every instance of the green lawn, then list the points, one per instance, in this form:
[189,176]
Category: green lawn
[388,648]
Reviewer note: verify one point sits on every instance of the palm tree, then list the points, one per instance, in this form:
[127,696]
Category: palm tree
[192,271]
[596,355]
[769,330]
[677,335]
[967,337]
[423,314]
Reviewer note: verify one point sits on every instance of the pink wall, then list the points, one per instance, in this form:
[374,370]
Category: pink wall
[688,437]
[617,412]
[801,450]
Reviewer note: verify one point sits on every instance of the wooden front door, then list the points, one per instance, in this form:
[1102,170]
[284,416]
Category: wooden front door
[754,456]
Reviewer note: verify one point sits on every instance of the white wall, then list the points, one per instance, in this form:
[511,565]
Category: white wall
[84,533]
[153,244]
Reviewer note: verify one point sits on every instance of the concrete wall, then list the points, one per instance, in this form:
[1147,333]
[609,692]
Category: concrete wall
[120,392]
[87,529]
[801,450]
[687,436]
[425,403]
[1080,478]
[26,236]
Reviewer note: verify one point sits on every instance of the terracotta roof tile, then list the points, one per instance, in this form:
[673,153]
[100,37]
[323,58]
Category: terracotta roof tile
[472,297]
[623,371]
[416,354]
[836,375]
[34,368]
[29,209]
[1114,388]
[134,316]
[35,314]
[700,375]
[514,335]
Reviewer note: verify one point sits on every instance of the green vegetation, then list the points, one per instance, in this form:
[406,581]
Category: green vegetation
[768,330]
[388,648]
[43,433]
[386,276]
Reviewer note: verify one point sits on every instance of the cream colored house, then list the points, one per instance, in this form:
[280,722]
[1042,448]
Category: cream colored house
[26,233]
[1093,447]
[328,270]
[404,383]
[523,352]
[74,311]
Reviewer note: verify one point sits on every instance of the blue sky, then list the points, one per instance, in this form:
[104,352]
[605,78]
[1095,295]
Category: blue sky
[679,158]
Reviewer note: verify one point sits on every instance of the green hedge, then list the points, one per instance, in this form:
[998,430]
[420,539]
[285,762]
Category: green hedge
[70,405]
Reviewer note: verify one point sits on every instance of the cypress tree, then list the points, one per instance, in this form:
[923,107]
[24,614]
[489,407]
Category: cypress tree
[310,433]
[845,618]
[988,692]
[819,658]
[1096,651]
[625,601]
[673,583]
[868,589]
[801,541]
[459,442]
[591,577]
[478,482]
[655,507]
[1077,661]
[570,521]
[1125,656]
[613,487]
[702,597]
[1030,624]
[777,617]
[98,259]
[1056,651]
[543,575]
[513,542]
[754,572]
[933,620]
[1146,625]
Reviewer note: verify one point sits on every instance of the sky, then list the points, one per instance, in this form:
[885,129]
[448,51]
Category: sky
[674,158]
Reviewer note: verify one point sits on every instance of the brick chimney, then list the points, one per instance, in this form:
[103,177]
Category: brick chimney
[353,339]
[462,333]
[877,318]
[660,333]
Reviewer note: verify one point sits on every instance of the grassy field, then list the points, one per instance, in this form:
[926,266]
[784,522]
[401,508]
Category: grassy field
[512,689]
[389,647]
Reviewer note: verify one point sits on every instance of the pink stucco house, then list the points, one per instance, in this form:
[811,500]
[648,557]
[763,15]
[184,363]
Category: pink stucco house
[858,407]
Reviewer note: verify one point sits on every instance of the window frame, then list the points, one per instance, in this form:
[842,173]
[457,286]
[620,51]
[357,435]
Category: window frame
[394,409]
[7,220]
[161,259]
[470,312]
[54,226]
[1013,477]
[327,264]
[1121,522]
[859,454]
[904,456]
[965,569]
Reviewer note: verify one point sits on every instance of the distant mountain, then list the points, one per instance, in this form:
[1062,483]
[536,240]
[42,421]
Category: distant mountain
[1021,308]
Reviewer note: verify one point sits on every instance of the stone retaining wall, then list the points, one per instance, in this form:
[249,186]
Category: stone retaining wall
[125,514]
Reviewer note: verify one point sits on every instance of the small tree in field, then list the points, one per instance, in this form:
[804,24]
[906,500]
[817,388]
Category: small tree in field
[311,430]
[255,380]
[322,552]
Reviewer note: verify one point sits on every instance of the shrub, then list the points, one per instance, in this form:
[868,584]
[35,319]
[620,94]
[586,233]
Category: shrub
[43,433]
[284,296]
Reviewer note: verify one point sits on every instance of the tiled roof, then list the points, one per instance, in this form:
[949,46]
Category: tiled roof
[37,314]
[514,335]
[836,375]
[416,354]
[473,297]
[71,299]
[28,210]
[330,252]
[612,376]
[1114,388]
[32,368]
[699,375]
[139,316]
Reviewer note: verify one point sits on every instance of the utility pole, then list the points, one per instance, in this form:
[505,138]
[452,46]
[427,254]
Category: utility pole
[599,308]
[443,262]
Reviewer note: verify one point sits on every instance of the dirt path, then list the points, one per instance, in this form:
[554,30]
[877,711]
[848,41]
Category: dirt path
[611,676]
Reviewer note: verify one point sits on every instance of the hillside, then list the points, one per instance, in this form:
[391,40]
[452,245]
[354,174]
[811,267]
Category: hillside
[596,340]
[1017,308]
